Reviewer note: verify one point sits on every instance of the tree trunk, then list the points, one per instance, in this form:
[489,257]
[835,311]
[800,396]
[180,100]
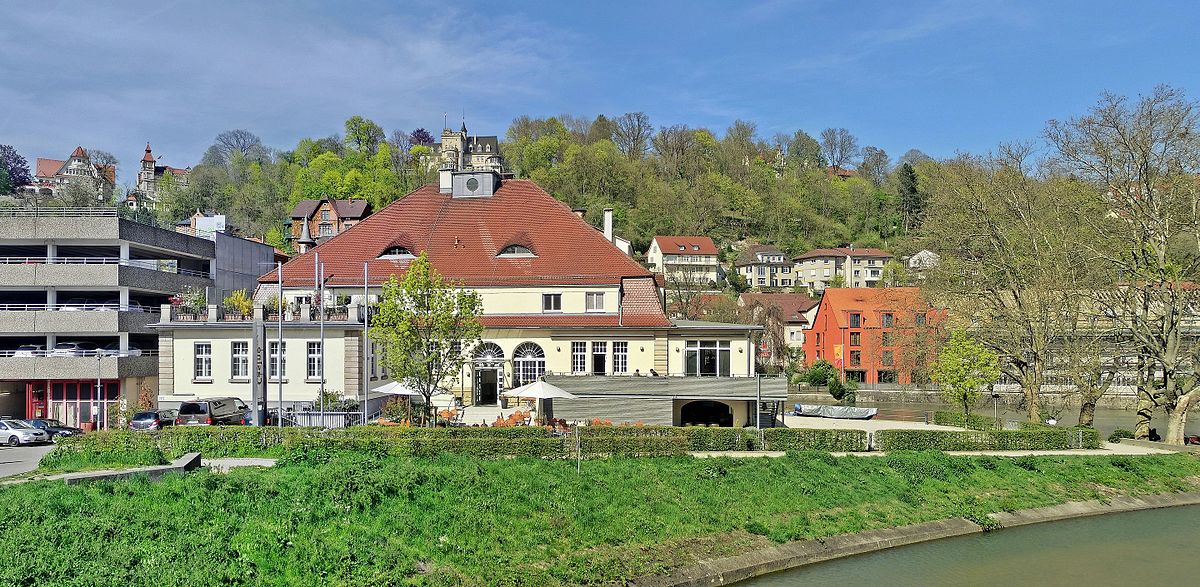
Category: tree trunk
[1145,411]
[1087,412]
[1177,419]
[1033,405]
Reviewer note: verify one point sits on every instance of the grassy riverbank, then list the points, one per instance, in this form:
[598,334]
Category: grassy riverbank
[353,519]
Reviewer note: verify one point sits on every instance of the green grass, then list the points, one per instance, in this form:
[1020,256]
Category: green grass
[351,519]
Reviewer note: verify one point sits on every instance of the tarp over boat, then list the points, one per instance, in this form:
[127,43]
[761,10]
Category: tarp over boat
[839,412]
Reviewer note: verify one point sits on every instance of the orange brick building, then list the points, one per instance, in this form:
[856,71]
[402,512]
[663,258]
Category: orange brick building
[874,335]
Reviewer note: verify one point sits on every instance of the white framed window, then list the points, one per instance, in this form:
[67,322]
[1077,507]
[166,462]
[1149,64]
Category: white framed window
[325,215]
[277,352]
[708,358]
[826,274]
[529,363]
[325,229]
[314,360]
[552,302]
[620,357]
[202,369]
[239,364]
[579,357]
[595,301]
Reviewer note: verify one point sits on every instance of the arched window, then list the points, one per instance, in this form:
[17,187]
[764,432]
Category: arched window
[516,251]
[396,252]
[529,363]
[488,354]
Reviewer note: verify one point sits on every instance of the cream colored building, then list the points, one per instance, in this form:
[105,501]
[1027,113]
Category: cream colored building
[819,268]
[558,299]
[690,260]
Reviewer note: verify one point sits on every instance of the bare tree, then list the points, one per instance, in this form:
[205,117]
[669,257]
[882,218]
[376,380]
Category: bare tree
[105,178]
[1143,159]
[1010,265]
[875,165]
[674,146]
[686,285]
[238,141]
[913,157]
[838,147]
[632,134]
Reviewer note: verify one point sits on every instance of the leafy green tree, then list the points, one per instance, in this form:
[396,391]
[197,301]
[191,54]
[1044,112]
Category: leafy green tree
[963,367]
[426,327]
[363,135]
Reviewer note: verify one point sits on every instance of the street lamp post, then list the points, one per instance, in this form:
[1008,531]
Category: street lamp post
[279,349]
[96,398]
[366,375]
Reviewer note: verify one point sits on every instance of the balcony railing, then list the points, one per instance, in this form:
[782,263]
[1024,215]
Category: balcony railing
[291,313]
[58,212]
[78,308]
[163,265]
[69,354]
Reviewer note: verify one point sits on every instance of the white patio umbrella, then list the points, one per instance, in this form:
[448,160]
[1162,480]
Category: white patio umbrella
[397,388]
[540,390]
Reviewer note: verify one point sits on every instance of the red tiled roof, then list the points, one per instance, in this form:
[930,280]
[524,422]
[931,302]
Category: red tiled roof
[462,237]
[79,152]
[147,156]
[692,245]
[840,172]
[843,252]
[48,167]
[792,305]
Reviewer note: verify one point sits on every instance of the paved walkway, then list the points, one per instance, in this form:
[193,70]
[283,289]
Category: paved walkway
[21,459]
[224,465]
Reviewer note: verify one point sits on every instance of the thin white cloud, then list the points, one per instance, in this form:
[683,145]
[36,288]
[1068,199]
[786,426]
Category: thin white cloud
[113,76]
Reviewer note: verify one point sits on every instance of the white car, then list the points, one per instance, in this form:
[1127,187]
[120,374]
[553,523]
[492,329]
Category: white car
[74,349]
[18,432]
[29,350]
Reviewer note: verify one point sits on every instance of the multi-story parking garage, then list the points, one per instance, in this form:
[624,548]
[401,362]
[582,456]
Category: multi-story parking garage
[78,289]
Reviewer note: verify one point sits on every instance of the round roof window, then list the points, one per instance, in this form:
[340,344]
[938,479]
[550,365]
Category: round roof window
[472,183]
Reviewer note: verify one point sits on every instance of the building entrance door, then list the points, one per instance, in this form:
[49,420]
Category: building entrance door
[487,386]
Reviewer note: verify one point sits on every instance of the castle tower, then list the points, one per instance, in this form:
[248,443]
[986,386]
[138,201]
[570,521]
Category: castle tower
[146,173]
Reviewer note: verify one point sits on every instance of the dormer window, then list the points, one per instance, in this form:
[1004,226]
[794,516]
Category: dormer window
[682,248]
[695,247]
[516,251]
[396,252]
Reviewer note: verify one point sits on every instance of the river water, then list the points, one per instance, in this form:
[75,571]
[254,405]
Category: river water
[1155,547]
[1107,419]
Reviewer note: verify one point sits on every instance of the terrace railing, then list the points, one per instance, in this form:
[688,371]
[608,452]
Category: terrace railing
[78,308]
[69,354]
[52,212]
[163,265]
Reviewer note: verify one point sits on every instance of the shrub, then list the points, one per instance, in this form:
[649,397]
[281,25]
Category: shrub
[804,439]
[972,421]
[709,439]
[101,450]
[239,302]
[1119,434]
[953,440]
[819,373]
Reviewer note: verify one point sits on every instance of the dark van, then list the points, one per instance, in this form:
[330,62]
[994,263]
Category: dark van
[221,411]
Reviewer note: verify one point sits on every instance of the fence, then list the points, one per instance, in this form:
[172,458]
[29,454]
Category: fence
[76,353]
[85,307]
[53,212]
[163,265]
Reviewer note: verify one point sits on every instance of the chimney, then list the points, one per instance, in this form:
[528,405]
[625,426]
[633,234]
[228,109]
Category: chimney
[579,212]
[445,175]
[608,228]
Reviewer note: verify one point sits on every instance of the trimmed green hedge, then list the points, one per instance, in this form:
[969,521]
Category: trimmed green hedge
[125,448]
[971,422]
[803,439]
[950,440]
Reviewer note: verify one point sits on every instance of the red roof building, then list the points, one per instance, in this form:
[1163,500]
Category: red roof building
[557,296]
[874,335]
[52,175]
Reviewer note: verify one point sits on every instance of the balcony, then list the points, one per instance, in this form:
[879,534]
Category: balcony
[292,313]
[44,365]
[91,271]
[80,318]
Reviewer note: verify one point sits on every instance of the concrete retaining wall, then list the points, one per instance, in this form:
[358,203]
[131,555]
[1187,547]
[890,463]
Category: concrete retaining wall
[729,570]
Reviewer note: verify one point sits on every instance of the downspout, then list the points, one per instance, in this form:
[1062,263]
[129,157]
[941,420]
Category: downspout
[621,302]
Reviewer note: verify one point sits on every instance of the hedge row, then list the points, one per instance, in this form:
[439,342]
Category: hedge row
[796,439]
[972,421]
[1048,439]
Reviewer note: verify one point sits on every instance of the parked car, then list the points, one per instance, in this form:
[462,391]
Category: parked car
[132,306]
[78,305]
[55,428]
[153,420]
[18,432]
[214,411]
[73,349]
[114,349]
[29,350]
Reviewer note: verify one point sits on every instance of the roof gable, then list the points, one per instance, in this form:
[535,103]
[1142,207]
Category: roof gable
[692,245]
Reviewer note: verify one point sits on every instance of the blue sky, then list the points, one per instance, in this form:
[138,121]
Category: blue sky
[941,76]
